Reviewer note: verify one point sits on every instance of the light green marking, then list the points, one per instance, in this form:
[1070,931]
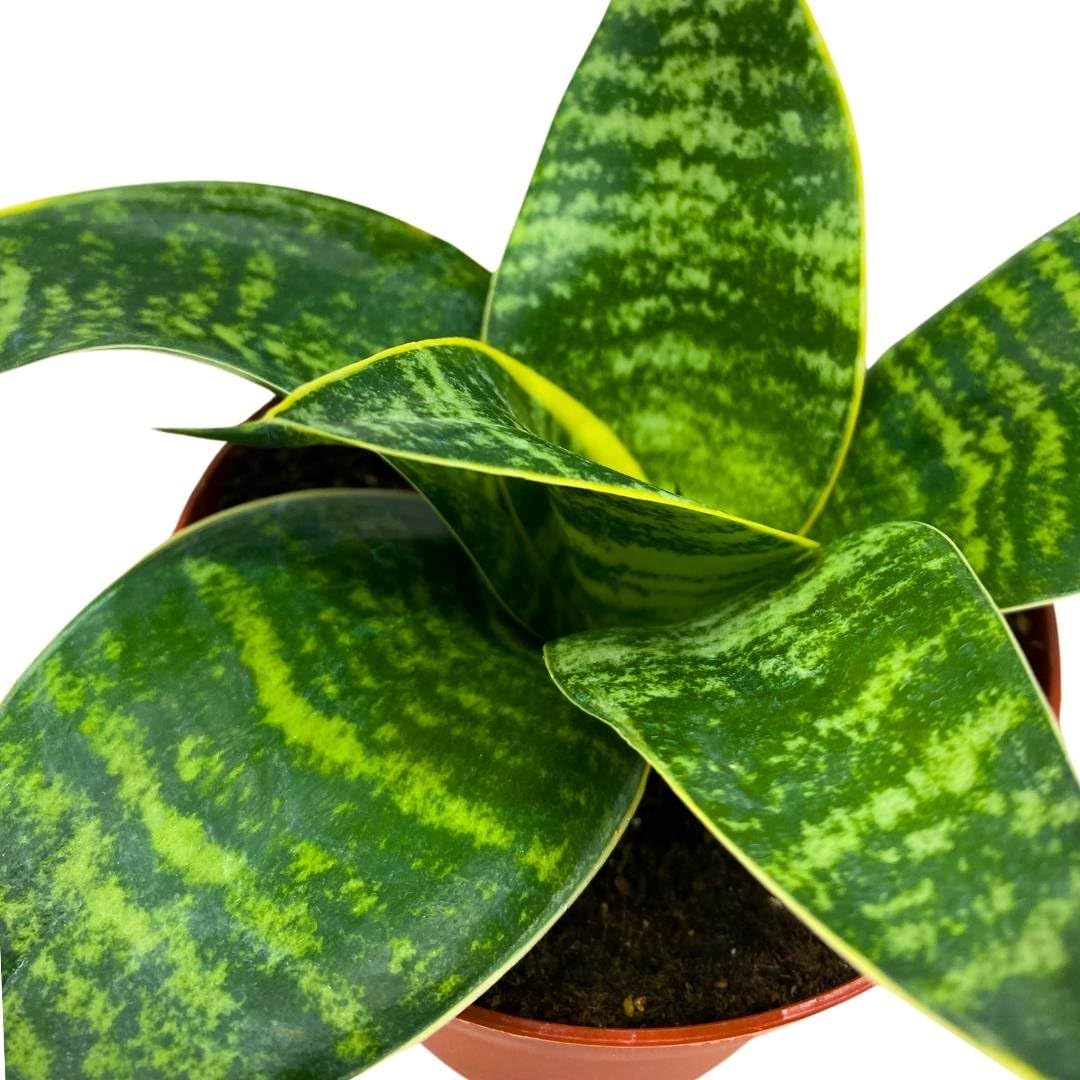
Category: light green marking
[970,423]
[928,826]
[417,788]
[245,276]
[565,541]
[212,866]
[14,287]
[687,261]
[181,840]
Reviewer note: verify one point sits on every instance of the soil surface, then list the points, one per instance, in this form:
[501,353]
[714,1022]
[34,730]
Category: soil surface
[255,473]
[672,930]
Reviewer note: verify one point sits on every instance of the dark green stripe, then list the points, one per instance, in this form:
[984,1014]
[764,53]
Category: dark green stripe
[869,740]
[561,554]
[287,794]
[687,261]
[278,285]
[972,423]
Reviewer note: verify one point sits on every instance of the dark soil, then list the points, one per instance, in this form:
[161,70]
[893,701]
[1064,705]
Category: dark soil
[672,930]
[257,474]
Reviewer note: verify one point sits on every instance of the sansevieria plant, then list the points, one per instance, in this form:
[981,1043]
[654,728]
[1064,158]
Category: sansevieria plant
[311,776]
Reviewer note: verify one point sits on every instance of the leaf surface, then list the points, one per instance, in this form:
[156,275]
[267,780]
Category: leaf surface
[868,740]
[687,261]
[566,541]
[285,797]
[972,423]
[274,284]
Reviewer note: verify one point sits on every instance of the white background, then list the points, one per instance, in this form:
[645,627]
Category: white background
[434,110]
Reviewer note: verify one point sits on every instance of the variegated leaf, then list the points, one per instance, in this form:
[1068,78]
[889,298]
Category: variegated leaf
[566,542]
[276,285]
[283,798]
[972,423]
[688,259]
[869,741]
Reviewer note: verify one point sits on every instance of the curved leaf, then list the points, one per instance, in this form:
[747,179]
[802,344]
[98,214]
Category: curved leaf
[565,541]
[868,740]
[688,259]
[274,284]
[972,423]
[283,798]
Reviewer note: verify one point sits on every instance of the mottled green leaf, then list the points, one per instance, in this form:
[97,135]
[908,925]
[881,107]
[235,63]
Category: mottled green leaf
[688,259]
[868,740]
[283,798]
[277,285]
[972,423]
[565,541]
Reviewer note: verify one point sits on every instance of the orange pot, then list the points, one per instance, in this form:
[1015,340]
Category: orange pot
[485,1045]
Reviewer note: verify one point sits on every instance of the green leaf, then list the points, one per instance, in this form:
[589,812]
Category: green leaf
[688,259]
[868,740]
[283,798]
[276,285]
[565,541]
[972,423]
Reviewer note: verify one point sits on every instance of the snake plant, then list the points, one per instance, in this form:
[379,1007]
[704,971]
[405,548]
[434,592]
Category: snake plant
[307,779]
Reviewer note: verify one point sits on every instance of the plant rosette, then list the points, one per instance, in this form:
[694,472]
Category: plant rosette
[303,783]
[479,1043]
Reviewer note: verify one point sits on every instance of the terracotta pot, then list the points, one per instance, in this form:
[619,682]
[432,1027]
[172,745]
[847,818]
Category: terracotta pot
[484,1045]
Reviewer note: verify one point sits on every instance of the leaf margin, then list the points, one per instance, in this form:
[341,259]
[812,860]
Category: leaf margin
[182,536]
[836,943]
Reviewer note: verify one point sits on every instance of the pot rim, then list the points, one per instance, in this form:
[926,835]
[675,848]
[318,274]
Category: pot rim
[739,1027]
[1048,614]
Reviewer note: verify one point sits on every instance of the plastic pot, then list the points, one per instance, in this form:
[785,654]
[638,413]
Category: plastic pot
[484,1045]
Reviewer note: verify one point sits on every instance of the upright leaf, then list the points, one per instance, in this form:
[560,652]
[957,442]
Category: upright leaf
[688,258]
[565,541]
[277,285]
[283,798]
[868,740]
[972,423]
